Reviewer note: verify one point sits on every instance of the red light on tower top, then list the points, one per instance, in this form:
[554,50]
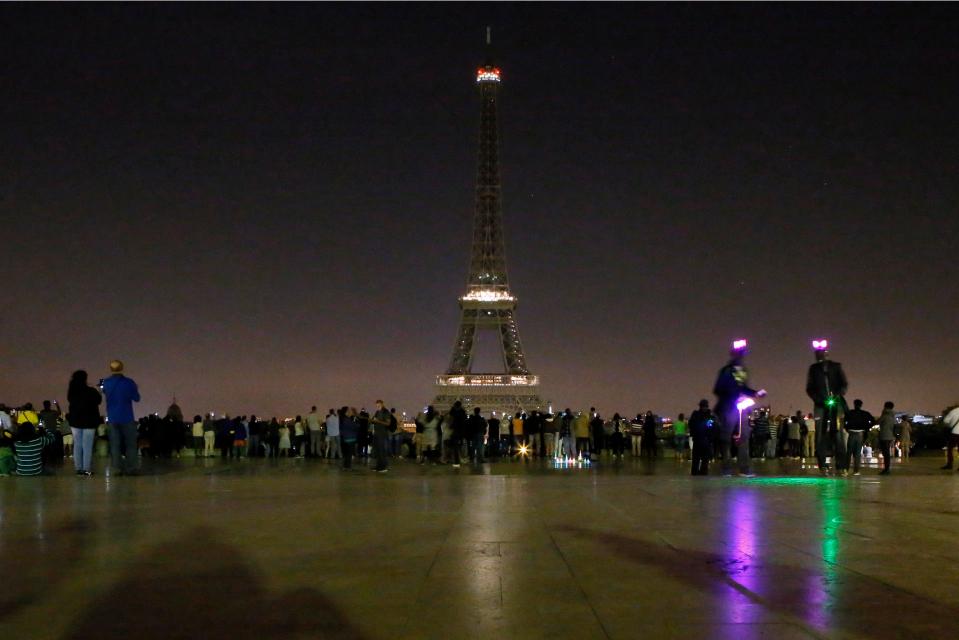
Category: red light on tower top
[488,73]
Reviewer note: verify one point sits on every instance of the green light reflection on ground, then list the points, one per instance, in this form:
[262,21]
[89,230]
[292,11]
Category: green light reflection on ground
[785,482]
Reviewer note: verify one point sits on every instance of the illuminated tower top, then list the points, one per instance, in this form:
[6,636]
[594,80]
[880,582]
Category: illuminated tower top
[487,275]
[488,73]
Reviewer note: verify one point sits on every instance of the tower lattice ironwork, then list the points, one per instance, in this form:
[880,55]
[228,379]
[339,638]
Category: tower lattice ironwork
[488,304]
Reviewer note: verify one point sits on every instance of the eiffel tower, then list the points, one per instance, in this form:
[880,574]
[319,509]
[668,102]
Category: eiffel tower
[488,304]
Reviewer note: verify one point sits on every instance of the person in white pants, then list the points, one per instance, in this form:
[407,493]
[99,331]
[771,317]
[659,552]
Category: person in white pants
[208,441]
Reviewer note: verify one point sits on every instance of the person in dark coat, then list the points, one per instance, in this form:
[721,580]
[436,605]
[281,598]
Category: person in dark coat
[826,386]
[598,431]
[348,434]
[226,432]
[887,435]
[492,444]
[477,433]
[858,423]
[702,424]
[457,422]
[363,434]
[273,437]
[83,414]
[649,435]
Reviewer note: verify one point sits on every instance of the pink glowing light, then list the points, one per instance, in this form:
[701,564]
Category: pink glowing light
[820,345]
[745,403]
[739,345]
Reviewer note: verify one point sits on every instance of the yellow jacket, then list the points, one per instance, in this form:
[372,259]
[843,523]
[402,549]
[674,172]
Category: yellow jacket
[581,426]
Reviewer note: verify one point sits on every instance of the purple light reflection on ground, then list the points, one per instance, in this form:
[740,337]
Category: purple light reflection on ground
[806,593]
[743,524]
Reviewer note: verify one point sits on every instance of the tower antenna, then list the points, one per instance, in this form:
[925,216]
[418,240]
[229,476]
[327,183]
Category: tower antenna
[489,36]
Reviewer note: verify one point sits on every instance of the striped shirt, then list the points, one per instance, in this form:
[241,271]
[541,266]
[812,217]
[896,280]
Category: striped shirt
[28,454]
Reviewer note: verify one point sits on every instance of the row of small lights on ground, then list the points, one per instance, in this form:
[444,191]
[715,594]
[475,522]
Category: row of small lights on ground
[560,461]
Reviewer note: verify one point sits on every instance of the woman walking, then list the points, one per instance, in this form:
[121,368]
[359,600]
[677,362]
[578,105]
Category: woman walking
[84,418]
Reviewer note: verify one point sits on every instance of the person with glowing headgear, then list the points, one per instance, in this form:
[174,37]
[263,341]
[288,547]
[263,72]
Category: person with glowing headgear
[733,399]
[826,386]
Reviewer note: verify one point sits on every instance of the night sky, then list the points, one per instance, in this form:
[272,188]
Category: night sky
[264,207]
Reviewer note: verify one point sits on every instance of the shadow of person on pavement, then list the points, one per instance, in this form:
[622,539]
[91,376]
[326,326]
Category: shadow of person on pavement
[824,600]
[197,586]
[36,564]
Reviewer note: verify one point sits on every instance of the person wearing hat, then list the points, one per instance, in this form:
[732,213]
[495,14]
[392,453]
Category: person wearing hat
[121,393]
[701,425]
[826,386]
[731,387]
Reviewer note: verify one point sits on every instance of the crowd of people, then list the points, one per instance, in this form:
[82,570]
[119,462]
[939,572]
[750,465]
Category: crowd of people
[734,431]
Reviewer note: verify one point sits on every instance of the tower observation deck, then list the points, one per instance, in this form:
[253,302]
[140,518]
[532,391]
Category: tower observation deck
[488,304]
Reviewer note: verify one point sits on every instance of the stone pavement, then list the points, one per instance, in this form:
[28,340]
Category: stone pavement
[298,549]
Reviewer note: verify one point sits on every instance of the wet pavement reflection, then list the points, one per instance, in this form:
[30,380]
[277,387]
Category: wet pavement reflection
[300,549]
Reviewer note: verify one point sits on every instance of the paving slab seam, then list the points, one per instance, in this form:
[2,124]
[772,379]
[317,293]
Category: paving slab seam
[426,577]
[579,586]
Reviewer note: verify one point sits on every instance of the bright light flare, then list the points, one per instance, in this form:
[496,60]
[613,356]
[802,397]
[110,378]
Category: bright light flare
[820,345]
[745,403]
[739,345]
[523,450]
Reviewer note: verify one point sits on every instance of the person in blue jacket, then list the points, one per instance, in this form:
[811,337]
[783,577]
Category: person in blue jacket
[121,393]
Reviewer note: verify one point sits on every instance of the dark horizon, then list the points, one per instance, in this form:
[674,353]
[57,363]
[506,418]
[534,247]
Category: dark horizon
[264,207]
